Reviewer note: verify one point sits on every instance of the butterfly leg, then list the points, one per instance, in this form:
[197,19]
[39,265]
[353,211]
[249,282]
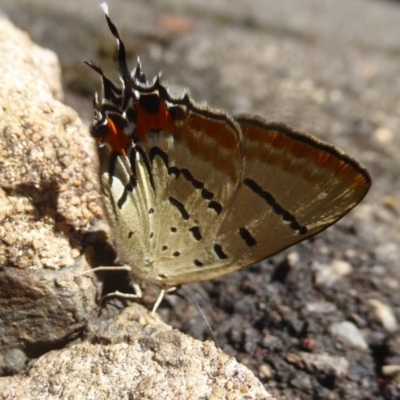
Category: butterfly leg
[138,291]
[136,295]
[131,296]
[161,297]
[108,268]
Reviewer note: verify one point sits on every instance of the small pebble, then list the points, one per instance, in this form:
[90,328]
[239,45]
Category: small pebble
[329,274]
[293,258]
[384,314]
[382,136]
[325,363]
[75,253]
[272,342]
[390,370]
[265,371]
[349,334]
[321,307]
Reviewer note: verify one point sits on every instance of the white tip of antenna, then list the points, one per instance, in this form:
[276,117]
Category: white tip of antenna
[104,7]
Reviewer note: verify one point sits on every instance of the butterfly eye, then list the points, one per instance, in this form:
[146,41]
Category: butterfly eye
[99,129]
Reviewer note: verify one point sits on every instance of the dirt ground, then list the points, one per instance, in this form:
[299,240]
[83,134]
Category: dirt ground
[320,320]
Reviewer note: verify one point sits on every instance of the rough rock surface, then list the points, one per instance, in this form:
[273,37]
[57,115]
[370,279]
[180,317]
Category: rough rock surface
[135,356]
[46,200]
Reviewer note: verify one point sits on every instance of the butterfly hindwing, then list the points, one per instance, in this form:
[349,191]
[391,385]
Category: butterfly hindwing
[188,202]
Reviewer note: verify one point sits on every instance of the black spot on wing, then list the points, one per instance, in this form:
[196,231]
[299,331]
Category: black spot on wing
[247,237]
[197,263]
[220,252]
[181,208]
[196,232]
[206,194]
[214,205]
[276,207]
[150,102]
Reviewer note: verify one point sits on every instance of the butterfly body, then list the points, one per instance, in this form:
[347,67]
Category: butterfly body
[192,193]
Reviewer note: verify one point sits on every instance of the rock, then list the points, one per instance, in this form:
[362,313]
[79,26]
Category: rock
[325,364]
[384,314]
[328,275]
[322,307]
[390,370]
[382,136]
[265,371]
[349,334]
[47,198]
[147,360]
[272,342]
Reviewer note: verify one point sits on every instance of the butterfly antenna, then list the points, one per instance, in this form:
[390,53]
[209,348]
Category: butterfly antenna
[120,53]
[196,303]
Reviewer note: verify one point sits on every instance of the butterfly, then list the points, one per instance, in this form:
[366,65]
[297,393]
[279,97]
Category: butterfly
[192,193]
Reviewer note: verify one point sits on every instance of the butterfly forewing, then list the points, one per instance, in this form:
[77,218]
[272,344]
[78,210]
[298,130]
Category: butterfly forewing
[293,187]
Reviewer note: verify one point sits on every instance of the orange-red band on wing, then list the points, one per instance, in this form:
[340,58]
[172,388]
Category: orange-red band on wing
[116,138]
[147,122]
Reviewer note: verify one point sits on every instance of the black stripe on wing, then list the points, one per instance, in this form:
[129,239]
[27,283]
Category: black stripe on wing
[276,207]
